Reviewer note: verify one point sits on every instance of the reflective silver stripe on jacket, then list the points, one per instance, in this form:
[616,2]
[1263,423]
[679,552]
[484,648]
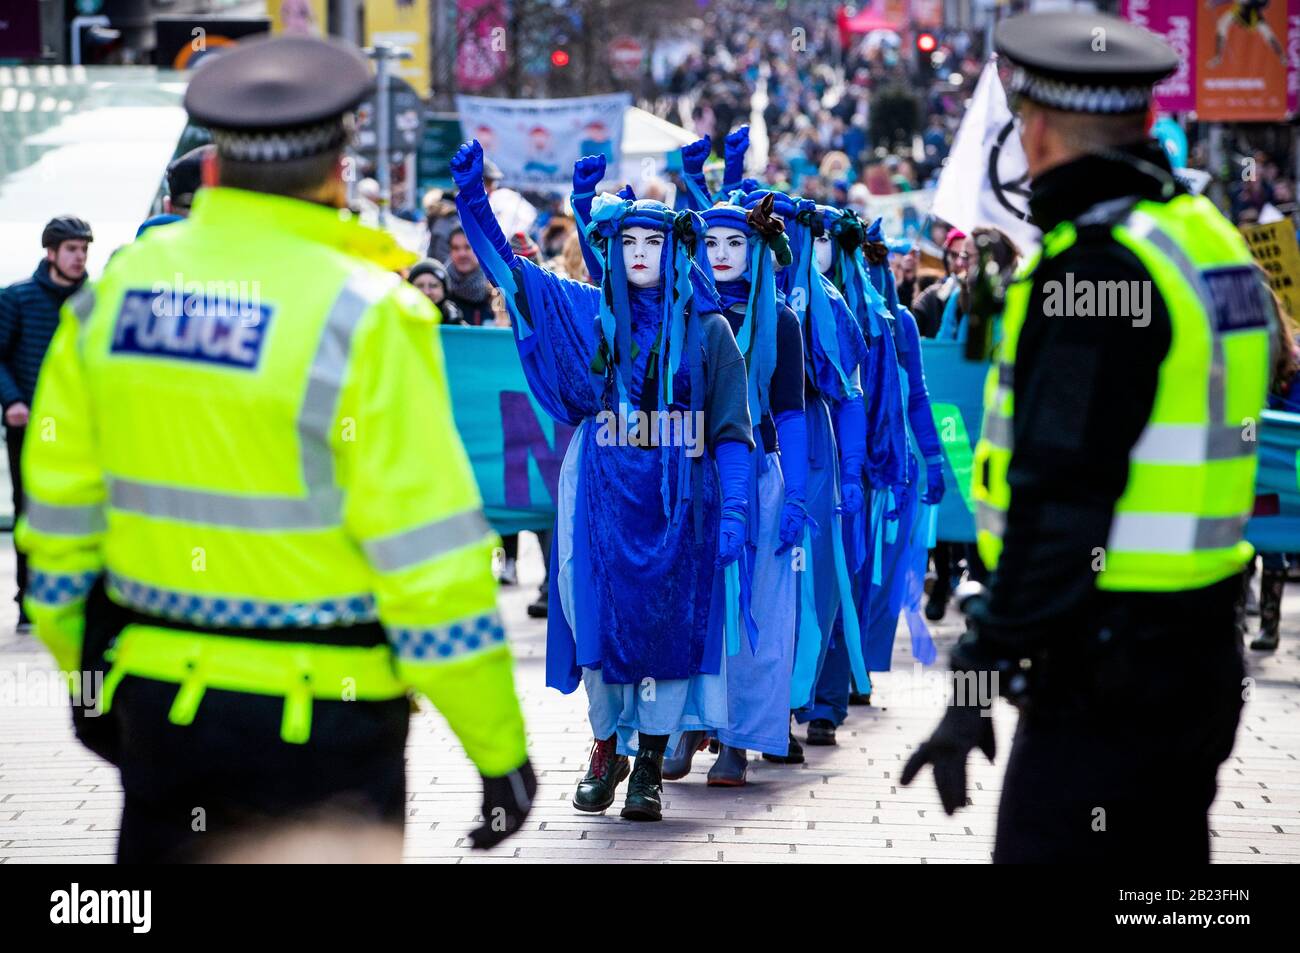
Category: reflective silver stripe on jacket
[997,431]
[422,543]
[1173,532]
[1145,227]
[64,520]
[83,303]
[1191,443]
[990,519]
[227,510]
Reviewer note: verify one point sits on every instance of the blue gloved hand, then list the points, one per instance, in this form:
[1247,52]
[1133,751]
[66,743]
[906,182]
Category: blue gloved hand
[588,173]
[731,540]
[902,494]
[695,155]
[934,486]
[737,144]
[794,519]
[626,192]
[467,166]
[851,499]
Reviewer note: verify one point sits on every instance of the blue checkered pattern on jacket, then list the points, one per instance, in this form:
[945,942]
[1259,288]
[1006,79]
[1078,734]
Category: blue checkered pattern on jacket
[439,643]
[235,612]
[59,589]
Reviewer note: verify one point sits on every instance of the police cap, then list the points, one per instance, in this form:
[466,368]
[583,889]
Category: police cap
[1083,62]
[279,99]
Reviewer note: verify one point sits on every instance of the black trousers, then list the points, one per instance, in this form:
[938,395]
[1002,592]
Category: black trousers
[1116,755]
[14,444]
[190,788]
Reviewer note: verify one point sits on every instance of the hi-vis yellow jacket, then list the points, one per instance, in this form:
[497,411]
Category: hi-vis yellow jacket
[246,425]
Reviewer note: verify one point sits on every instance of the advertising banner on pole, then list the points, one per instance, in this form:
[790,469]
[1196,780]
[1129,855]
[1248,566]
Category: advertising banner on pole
[1241,61]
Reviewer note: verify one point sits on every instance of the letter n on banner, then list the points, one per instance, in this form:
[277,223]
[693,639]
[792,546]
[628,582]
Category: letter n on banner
[522,436]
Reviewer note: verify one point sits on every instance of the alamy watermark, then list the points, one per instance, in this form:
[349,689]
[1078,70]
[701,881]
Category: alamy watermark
[653,428]
[1086,298]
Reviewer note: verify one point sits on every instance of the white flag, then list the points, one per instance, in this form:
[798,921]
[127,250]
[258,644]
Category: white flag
[986,179]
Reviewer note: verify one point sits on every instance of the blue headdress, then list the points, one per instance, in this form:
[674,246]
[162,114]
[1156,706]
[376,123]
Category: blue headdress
[807,291]
[683,281]
[757,336]
[610,216]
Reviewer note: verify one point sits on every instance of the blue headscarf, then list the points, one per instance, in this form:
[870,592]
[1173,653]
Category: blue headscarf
[807,291]
[757,335]
[682,280]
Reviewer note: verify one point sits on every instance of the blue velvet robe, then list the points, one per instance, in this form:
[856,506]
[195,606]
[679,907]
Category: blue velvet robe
[646,600]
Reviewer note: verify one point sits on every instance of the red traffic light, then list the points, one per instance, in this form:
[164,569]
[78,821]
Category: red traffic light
[925,42]
[559,58]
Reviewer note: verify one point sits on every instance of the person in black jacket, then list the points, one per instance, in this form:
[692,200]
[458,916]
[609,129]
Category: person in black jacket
[29,315]
[1130,689]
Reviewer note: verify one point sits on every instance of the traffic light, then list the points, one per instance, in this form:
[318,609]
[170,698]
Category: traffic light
[559,58]
[926,45]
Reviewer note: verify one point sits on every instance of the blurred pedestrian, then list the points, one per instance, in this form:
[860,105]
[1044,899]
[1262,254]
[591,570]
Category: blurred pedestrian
[29,316]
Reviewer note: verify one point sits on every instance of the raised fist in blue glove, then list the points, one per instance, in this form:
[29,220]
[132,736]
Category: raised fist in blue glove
[794,518]
[731,540]
[933,483]
[695,155]
[738,143]
[850,499]
[467,165]
[587,174]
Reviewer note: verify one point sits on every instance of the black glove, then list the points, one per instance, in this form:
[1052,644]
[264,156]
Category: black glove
[963,727]
[506,803]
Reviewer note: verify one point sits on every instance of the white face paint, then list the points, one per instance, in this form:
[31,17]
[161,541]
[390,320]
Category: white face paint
[824,252]
[642,250]
[728,250]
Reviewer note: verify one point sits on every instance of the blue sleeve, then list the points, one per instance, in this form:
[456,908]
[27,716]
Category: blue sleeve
[919,414]
[851,431]
[732,457]
[792,436]
[733,170]
[472,204]
[697,191]
[9,392]
[582,212]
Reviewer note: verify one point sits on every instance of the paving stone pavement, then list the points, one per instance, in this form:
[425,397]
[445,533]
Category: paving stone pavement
[59,803]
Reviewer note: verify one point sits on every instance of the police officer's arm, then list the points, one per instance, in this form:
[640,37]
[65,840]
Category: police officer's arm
[1084,389]
[63,527]
[9,392]
[414,508]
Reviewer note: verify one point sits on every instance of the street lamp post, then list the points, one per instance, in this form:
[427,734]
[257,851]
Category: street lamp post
[382,53]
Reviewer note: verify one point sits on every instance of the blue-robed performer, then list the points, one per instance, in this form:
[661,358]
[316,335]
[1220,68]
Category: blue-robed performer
[743,247]
[834,349]
[897,565]
[653,501]
[839,256]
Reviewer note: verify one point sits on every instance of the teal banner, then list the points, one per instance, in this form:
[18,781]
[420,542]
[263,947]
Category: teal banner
[957,401]
[515,447]
[1275,527]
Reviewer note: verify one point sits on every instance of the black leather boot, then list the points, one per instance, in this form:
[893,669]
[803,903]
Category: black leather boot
[821,731]
[730,769]
[1270,610]
[644,800]
[605,773]
[679,765]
